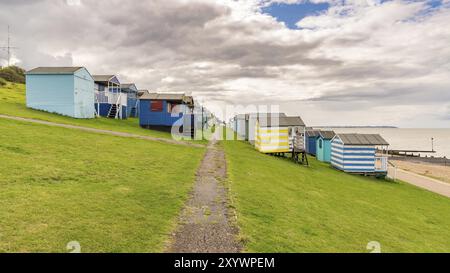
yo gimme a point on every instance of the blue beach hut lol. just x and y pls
(323, 146)
(67, 91)
(110, 101)
(162, 111)
(311, 139)
(360, 153)
(132, 99)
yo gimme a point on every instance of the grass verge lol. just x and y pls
(109, 193)
(284, 207)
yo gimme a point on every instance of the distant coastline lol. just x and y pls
(371, 127)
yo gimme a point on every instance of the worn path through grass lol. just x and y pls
(205, 224)
(101, 131)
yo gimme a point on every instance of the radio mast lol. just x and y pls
(8, 48)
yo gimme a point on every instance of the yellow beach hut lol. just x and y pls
(276, 134)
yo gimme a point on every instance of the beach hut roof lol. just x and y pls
(105, 79)
(102, 78)
(189, 100)
(167, 96)
(268, 115)
(327, 134)
(252, 116)
(363, 139)
(162, 96)
(127, 85)
(280, 121)
(54, 70)
(312, 133)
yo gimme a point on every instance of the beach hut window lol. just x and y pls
(156, 106)
(173, 108)
(320, 143)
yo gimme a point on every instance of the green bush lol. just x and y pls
(13, 74)
(3, 82)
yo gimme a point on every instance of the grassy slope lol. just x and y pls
(109, 193)
(12, 102)
(284, 207)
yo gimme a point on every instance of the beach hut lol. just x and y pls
(360, 153)
(67, 91)
(323, 146)
(311, 139)
(241, 126)
(162, 111)
(252, 119)
(132, 99)
(276, 134)
(110, 101)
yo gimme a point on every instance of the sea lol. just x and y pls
(409, 139)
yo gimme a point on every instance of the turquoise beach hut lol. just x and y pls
(67, 91)
(323, 146)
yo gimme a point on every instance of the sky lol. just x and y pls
(333, 62)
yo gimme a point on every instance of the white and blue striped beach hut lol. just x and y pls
(360, 153)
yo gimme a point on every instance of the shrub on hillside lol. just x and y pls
(3, 82)
(13, 74)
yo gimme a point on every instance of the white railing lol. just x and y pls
(381, 163)
(111, 98)
(101, 97)
(119, 106)
(392, 171)
(117, 98)
(124, 99)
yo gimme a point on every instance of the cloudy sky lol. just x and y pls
(334, 62)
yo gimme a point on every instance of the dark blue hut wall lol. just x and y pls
(132, 103)
(311, 145)
(149, 118)
(105, 107)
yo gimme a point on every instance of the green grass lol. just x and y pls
(284, 207)
(109, 193)
(12, 102)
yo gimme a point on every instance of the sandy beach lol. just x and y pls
(436, 171)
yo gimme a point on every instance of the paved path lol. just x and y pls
(205, 225)
(421, 181)
(107, 132)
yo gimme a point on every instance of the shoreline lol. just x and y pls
(436, 169)
(436, 161)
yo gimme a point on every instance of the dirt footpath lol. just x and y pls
(205, 225)
(101, 131)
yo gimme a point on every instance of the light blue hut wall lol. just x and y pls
(352, 159)
(84, 95)
(51, 93)
(241, 128)
(323, 150)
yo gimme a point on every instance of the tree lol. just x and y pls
(13, 74)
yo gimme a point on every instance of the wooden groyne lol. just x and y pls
(443, 161)
(410, 153)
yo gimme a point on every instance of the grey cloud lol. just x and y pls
(204, 47)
